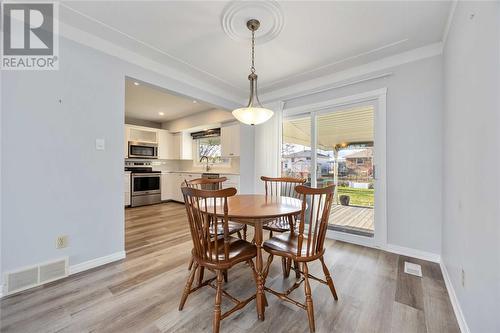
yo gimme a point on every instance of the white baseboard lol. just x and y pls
(409, 252)
(454, 300)
(96, 262)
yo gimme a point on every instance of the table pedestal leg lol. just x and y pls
(260, 297)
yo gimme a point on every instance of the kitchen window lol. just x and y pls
(210, 147)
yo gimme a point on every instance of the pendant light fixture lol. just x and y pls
(254, 113)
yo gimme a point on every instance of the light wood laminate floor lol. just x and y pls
(142, 292)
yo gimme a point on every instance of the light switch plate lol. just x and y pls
(99, 144)
(413, 269)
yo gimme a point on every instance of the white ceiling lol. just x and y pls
(317, 38)
(144, 102)
(345, 126)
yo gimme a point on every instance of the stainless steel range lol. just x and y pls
(145, 183)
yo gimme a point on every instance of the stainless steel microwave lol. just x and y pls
(142, 150)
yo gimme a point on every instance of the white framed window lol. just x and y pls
(211, 148)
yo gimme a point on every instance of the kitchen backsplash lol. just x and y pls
(189, 165)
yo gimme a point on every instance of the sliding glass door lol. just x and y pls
(345, 146)
(296, 148)
(336, 147)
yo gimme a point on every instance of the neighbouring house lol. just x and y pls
(360, 163)
(299, 163)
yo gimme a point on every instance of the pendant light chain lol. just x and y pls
(254, 113)
(252, 69)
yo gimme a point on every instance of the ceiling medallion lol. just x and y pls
(237, 13)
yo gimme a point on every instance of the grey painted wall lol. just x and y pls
(471, 181)
(53, 181)
(414, 150)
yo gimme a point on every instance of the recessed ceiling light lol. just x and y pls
(195, 101)
(136, 83)
(161, 113)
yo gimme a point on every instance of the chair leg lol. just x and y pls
(187, 287)
(239, 235)
(328, 278)
(190, 263)
(284, 267)
(270, 233)
(245, 232)
(288, 267)
(218, 300)
(201, 272)
(309, 301)
(225, 275)
(264, 276)
(296, 266)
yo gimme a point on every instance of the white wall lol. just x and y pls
(471, 181)
(53, 181)
(247, 158)
(267, 147)
(414, 149)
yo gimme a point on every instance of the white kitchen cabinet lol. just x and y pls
(165, 145)
(165, 195)
(182, 146)
(177, 181)
(230, 140)
(126, 180)
(143, 134)
(232, 181)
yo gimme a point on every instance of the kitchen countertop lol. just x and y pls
(200, 172)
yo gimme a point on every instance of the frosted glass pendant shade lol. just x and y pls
(252, 115)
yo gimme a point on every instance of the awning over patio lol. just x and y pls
(352, 125)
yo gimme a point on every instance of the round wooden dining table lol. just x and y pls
(256, 210)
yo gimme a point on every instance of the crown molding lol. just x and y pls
(330, 81)
(175, 62)
(229, 96)
(225, 98)
(329, 67)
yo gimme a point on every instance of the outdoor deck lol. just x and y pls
(352, 217)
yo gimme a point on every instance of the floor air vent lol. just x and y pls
(36, 275)
(413, 269)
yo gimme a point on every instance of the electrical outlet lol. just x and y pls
(62, 242)
(463, 278)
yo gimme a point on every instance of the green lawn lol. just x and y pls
(358, 196)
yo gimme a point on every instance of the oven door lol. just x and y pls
(142, 150)
(146, 183)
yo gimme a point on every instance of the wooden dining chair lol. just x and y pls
(284, 186)
(234, 228)
(216, 184)
(305, 245)
(281, 186)
(219, 253)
